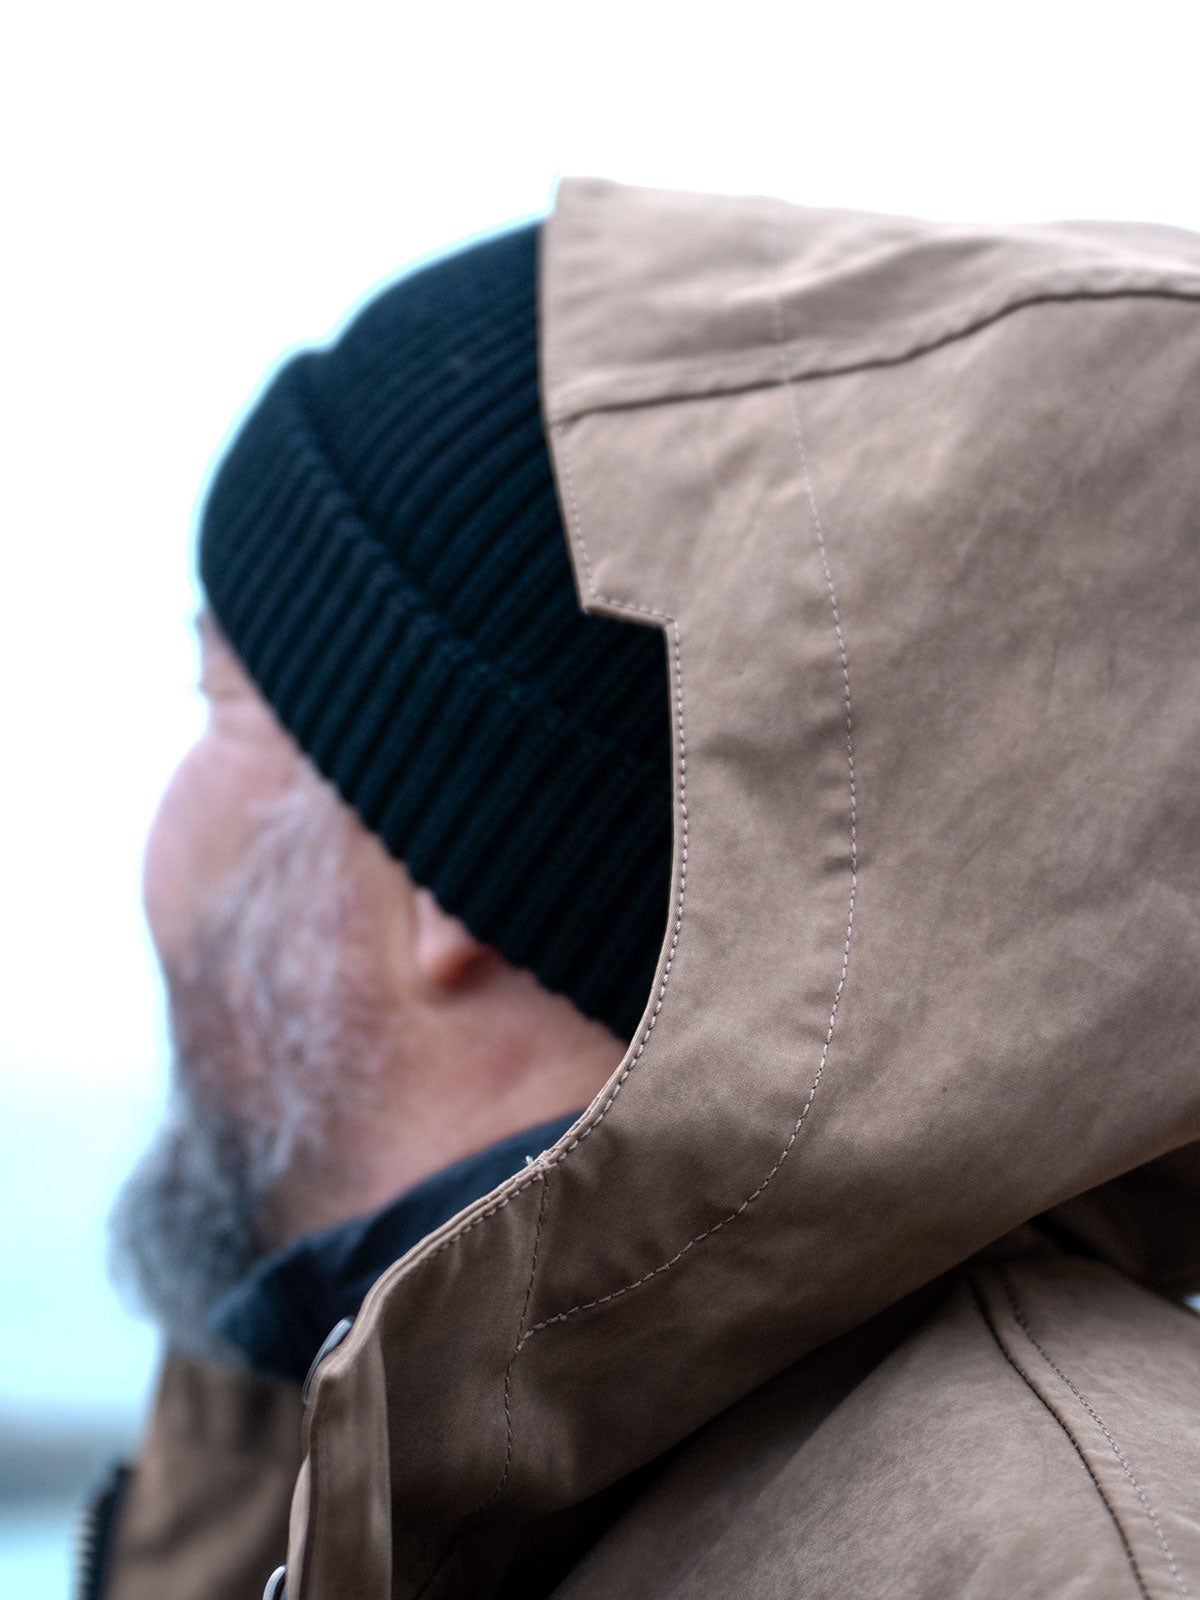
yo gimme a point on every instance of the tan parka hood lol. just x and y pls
(917, 511)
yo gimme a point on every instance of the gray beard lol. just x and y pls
(182, 1231)
(274, 1043)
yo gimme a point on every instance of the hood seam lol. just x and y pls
(575, 522)
(549, 1160)
(508, 1418)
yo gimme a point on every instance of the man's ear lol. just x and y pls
(446, 950)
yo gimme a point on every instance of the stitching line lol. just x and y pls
(508, 1421)
(818, 529)
(575, 525)
(540, 1167)
(1041, 1399)
(1019, 1318)
(540, 1171)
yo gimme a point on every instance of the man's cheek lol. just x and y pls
(197, 841)
(167, 879)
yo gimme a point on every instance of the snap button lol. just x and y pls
(329, 1343)
(275, 1589)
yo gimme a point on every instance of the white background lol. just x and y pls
(191, 190)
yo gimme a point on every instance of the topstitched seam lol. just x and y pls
(707, 1233)
(981, 1305)
(575, 528)
(540, 1170)
(1022, 1323)
(440, 1564)
(508, 1421)
(540, 1167)
(788, 381)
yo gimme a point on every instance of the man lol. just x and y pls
(861, 1273)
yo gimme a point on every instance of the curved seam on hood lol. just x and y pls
(453, 1542)
(786, 384)
(508, 1420)
(550, 1160)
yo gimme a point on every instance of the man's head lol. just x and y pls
(426, 776)
(384, 551)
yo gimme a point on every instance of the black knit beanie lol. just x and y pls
(383, 549)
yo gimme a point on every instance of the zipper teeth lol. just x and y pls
(94, 1533)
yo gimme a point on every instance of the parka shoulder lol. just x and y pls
(1037, 1434)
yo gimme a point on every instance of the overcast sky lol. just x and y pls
(190, 190)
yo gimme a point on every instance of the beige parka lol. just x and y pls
(917, 512)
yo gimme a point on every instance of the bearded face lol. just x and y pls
(337, 1036)
(275, 1049)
